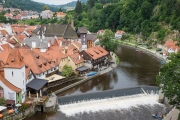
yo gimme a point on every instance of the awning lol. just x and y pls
(2, 108)
(82, 68)
(37, 84)
(54, 77)
(11, 102)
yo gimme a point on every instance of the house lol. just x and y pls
(18, 38)
(24, 15)
(46, 14)
(13, 75)
(119, 34)
(91, 40)
(75, 61)
(100, 32)
(82, 34)
(4, 33)
(57, 30)
(60, 15)
(95, 57)
(77, 45)
(17, 17)
(11, 92)
(41, 43)
(54, 53)
(8, 15)
(40, 66)
(171, 47)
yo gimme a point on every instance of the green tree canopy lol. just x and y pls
(60, 10)
(2, 102)
(108, 41)
(78, 7)
(67, 71)
(169, 80)
(45, 7)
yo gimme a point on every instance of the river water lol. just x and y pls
(136, 68)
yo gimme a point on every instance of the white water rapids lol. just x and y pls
(116, 103)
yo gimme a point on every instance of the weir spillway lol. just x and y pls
(108, 94)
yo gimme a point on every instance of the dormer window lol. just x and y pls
(12, 60)
(40, 65)
(37, 56)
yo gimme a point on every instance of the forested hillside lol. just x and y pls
(142, 17)
(27, 5)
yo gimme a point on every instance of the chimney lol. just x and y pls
(60, 43)
(72, 23)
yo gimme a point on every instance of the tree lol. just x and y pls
(60, 10)
(2, 102)
(67, 71)
(78, 7)
(169, 80)
(45, 7)
(108, 42)
(146, 9)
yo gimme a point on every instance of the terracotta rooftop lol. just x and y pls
(20, 38)
(171, 44)
(4, 32)
(76, 58)
(77, 43)
(37, 63)
(100, 32)
(14, 59)
(96, 52)
(9, 85)
(71, 46)
(18, 30)
(120, 32)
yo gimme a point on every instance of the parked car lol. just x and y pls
(158, 49)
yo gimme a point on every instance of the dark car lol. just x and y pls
(158, 49)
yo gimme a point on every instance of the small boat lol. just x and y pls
(91, 73)
(157, 116)
(162, 62)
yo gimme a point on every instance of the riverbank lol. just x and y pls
(149, 51)
(174, 113)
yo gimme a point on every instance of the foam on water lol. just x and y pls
(116, 103)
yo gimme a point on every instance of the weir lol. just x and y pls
(120, 99)
(108, 94)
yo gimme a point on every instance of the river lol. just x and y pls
(136, 68)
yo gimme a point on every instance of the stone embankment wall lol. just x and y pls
(77, 83)
(29, 111)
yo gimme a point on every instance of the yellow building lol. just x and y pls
(75, 61)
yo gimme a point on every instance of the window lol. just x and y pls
(23, 74)
(12, 73)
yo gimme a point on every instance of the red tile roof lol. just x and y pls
(171, 44)
(96, 52)
(14, 59)
(120, 32)
(76, 58)
(9, 85)
(77, 44)
(37, 63)
(20, 38)
(4, 32)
